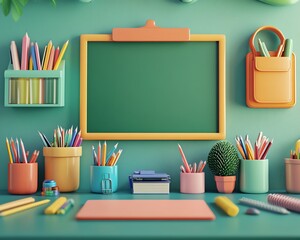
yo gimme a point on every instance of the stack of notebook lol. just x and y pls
(149, 182)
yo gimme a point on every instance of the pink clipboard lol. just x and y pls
(145, 210)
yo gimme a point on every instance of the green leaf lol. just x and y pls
(53, 2)
(16, 10)
(23, 2)
(6, 6)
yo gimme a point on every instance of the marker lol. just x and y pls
(66, 207)
(288, 48)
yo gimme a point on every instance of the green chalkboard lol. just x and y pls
(152, 90)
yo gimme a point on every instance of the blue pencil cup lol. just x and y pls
(104, 179)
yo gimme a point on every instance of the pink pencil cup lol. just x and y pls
(192, 182)
(22, 178)
(292, 175)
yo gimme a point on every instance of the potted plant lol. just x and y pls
(223, 161)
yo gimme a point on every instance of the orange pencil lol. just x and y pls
(32, 156)
(185, 163)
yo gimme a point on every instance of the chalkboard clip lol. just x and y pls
(150, 33)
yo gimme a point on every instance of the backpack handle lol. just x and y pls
(270, 28)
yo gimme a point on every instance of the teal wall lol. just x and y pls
(70, 18)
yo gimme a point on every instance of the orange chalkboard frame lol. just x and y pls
(152, 33)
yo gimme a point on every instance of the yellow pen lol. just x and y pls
(60, 56)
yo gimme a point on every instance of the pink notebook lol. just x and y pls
(145, 210)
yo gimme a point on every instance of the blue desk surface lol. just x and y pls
(34, 224)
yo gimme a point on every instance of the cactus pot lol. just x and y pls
(225, 184)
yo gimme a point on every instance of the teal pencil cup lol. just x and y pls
(254, 176)
(104, 179)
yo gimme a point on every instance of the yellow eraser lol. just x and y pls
(53, 208)
(227, 206)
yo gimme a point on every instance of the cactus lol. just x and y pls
(223, 159)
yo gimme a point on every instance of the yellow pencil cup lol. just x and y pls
(62, 164)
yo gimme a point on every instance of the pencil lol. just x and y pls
(23, 151)
(24, 207)
(99, 154)
(61, 54)
(16, 203)
(9, 152)
(117, 157)
(185, 163)
(266, 150)
(103, 162)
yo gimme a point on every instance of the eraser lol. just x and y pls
(227, 206)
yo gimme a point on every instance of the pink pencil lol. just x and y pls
(37, 56)
(25, 52)
(185, 163)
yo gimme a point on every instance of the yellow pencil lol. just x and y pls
(117, 157)
(9, 152)
(103, 162)
(49, 46)
(16, 203)
(24, 207)
(60, 56)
